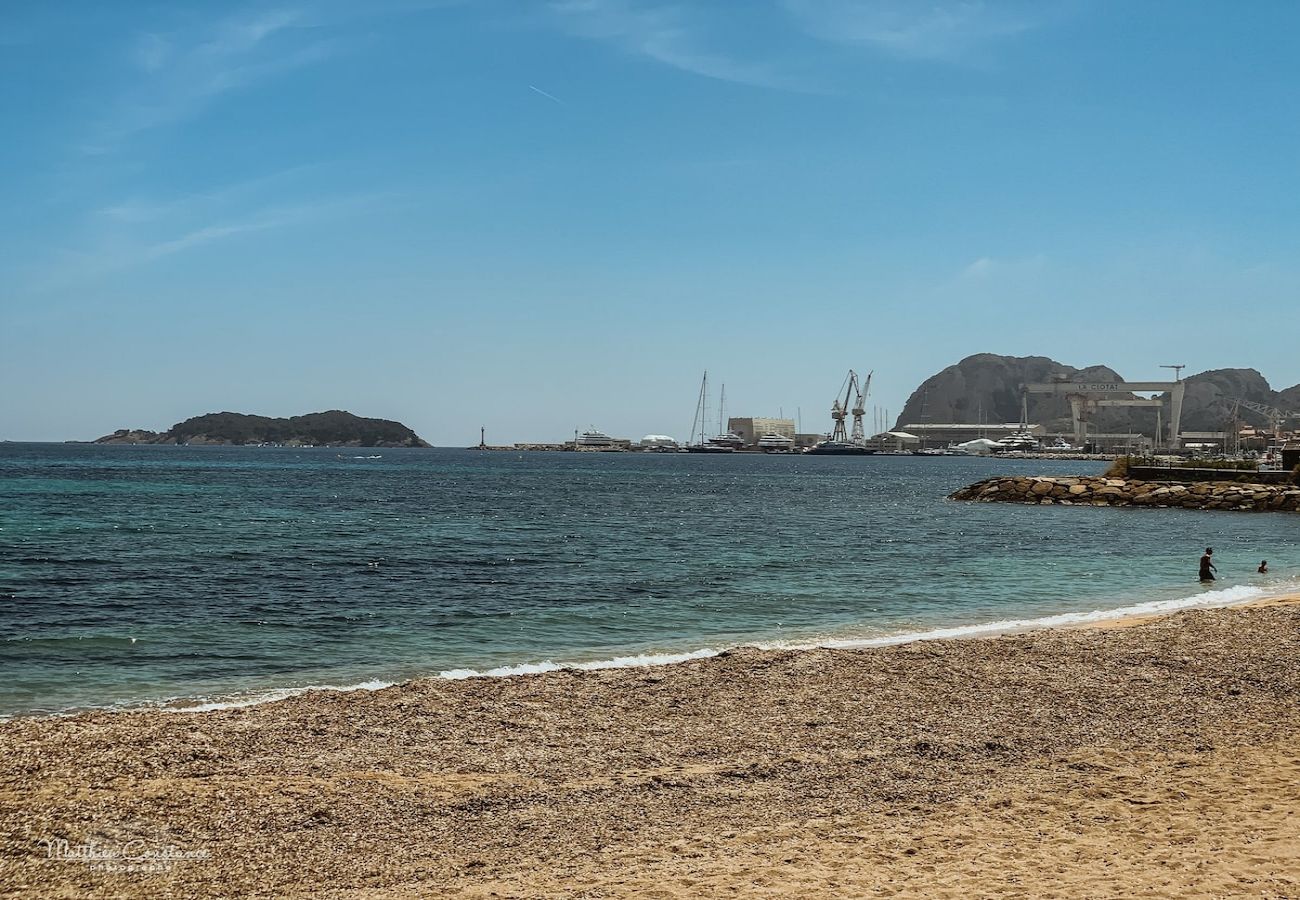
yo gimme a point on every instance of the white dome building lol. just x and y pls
(979, 446)
(658, 442)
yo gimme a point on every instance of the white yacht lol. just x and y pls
(776, 443)
(1023, 441)
(730, 440)
(594, 440)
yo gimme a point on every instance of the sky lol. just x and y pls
(546, 216)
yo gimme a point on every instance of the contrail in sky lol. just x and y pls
(546, 95)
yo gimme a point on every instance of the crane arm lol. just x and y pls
(849, 384)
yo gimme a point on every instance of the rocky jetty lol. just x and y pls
(1086, 490)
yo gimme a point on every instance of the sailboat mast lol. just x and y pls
(700, 422)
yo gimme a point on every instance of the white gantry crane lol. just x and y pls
(1274, 415)
(840, 410)
(859, 406)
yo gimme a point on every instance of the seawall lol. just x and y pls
(1086, 490)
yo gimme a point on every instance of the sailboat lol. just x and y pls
(698, 442)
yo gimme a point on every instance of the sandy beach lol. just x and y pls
(1159, 759)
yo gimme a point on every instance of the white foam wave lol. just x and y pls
(200, 704)
(618, 662)
(1205, 600)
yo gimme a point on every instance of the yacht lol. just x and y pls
(1022, 441)
(839, 448)
(595, 440)
(776, 443)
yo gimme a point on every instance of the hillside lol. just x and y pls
(334, 428)
(986, 388)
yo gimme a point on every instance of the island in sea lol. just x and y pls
(333, 428)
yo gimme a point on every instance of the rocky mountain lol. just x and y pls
(986, 388)
(334, 428)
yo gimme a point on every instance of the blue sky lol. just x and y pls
(542, 216)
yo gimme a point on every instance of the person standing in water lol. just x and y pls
(1263, 567)
(1207, 565)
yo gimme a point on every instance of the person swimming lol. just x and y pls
(1207, 565)
(1263, 567)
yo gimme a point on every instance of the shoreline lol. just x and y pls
(1158, 758)
(1117, 617)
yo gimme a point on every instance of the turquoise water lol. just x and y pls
(146, 574)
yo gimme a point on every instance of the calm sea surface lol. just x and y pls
(148, 574)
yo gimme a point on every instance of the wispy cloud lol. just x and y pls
(671, 35)
(176, 75)
(260, 220)
(987, 267)
(135, 233)
(535, 89)
(946, 30)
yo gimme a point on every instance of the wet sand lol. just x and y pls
(1158, 759)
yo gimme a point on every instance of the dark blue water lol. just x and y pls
(139, 574)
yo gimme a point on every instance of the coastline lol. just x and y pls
(927, 768)
(1108, 617)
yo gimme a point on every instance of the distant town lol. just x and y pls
(1078, 405)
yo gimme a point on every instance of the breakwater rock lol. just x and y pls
(1101, 491)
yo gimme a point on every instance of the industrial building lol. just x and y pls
(894, 442)
(751, 429)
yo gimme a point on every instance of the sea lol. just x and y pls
(199, 577)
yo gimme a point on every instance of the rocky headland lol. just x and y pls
(986, 387)
(1084, 490)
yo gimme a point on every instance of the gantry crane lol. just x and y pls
(839, 409)
(1274, 415)
(860, 407)
(854, 391)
